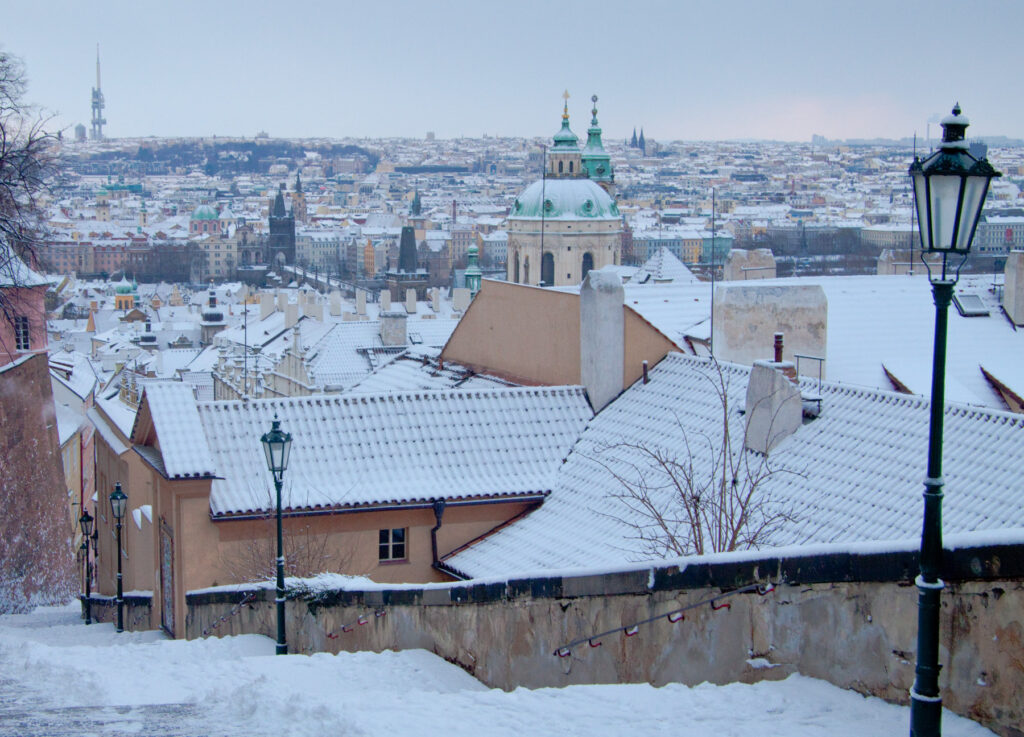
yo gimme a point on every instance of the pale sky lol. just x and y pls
(681, 69)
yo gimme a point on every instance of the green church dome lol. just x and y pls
(123, 286)
(205, 212)
(565, 199)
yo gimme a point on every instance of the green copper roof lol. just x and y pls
(205, 212)
(596, 160)
(565, 139)
(565, 199)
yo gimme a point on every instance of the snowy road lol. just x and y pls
(59, 677)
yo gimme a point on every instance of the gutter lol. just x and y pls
(439, 505)
(384, 507)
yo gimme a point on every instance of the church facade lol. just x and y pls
(566, 224)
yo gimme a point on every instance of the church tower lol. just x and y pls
(564, 156)
(596, 161)
(299, 200)
(566, 224)
(281, 238)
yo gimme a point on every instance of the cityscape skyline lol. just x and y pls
(695, 71)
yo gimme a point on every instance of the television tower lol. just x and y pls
(98, 121)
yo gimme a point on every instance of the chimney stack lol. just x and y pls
(602, 336)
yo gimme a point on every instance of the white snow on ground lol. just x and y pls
(238, 683)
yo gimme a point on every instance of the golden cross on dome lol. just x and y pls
(565, 111)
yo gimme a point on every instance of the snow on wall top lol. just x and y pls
(854, 474)
(393, 448)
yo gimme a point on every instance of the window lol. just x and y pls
(392, 544)
(21, 333)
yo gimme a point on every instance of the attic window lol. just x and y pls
(970, 305)
(415, 338)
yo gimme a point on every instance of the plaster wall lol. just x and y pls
(529, 335)
(1013, 290)
(743, 265)
(746, 319)
(211, 553)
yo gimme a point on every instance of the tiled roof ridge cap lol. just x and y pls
(869, 393)
(563, 389)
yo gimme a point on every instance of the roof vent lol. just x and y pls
(970, 305)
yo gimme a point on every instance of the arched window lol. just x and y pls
(516, 260)
(570, 167)
(547, 269)
(588, 264)
(560, 167)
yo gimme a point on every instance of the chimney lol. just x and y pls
(361, 301)
(410, 301)
(460, 299)
(602, 336)
(385, 301)
(313, 310)
(291, 315)
(266, 305)
(1013, 290)
(774, 405)
(335, 303)
(393, 328)
(435, 299)
(282, 300)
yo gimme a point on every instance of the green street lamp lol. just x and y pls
(118, 505)
(950, 187)
(277, 445)
(85, 522)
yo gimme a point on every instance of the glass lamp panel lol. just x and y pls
(86, 521)
(921, 202)
(118, 502)
(266, 451)
(974, 197)
(944, 198)
(286, 450)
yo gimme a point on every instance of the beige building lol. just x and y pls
(384, 486)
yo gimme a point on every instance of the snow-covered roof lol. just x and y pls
(663, 266)
(366, 450)
(14, 272)
(852, 474)
(175, 419)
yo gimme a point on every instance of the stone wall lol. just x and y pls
(850, 619)
(136, 613)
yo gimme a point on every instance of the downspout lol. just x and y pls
(439, 517)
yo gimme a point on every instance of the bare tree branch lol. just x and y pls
(697, 493)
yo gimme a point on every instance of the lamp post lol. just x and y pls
(277, 446)
(118, 504)
(85, 522)
(950, 187)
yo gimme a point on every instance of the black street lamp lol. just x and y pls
(85, 522)
(277, 446)
(950, 187)
(118, 504)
